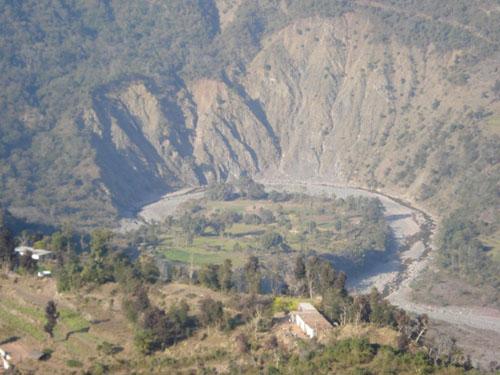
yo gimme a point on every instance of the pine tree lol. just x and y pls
(299, 273)
(7, 246)
(327, 276)
(226, 275)
(340, 281)
(252, 275)
(51, 314)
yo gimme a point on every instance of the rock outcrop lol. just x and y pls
(321, 100)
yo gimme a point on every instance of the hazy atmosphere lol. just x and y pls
(249, 187)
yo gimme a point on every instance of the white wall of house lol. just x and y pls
(309, 331)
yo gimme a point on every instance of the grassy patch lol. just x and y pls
(72, 320)
(32, 312)
(241, 229)
(19, 323)
(74, 363)
(201, 257)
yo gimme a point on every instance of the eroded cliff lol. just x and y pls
(322, 100)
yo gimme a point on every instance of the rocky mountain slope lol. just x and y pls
(321, 100)
(107, 106)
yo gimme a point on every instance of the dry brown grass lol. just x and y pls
(375, 335)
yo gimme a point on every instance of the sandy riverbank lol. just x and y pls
(395, 276)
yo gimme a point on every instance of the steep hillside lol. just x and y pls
(370, 93)
(107, 106)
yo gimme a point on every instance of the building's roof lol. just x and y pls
(25, 249)
(312, 317)
(306, 306)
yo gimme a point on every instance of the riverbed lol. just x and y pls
(413, 232)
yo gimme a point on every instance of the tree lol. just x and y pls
(340, 281)
(422, 324)
(161, 329)
(211, 312)
(27, 262)
(219, 191)
(209, 276)
(100, 243)
(361, 309)
(51, 316)
(299, 270)
(381, 311)
(226, 275)
(217, 225)
(271, 239)
(57, 242)
(267, 216)
(251, 189)
(149, 270)
(327, 276)
(137, 304)
(194, 225)
(68, 275)
(96, 270)
(7, 247)
(311, 227)
(253, 275)
(312, 274)
(332, 304)
(144, 341)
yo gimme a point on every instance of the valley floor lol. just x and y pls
(413, 231)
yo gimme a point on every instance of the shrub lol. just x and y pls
(74, 363)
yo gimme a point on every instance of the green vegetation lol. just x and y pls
(74, 363)
(462, 253)
(59, 57)
(62, 60)
(358, 356)
(234, 227)
(227, 310)
(11, 319)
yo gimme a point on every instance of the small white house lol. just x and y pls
(310, 321)
(5, 359)
(36, 254)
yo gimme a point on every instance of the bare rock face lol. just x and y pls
(231, 136)
(227, 11)
(345, 108)
(140, 148)
(322, 100)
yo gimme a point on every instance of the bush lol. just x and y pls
(271, 239)
(211, 312)
(353, 351)
(74, 363)
(285, 304)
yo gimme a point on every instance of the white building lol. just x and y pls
(36, 254)
(310, 321)
(5, 359)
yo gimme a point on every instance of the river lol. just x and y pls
(413, 231)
